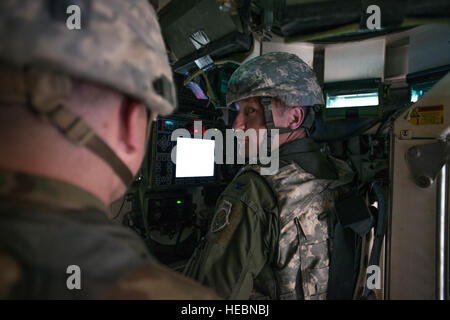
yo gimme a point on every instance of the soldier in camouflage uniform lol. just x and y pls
(269, 237)
(76, 108)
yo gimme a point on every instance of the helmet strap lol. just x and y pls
(46, 93)
(307, 123)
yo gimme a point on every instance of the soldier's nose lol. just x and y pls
(239, 122)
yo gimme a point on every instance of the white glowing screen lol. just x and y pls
(195, 158)
(353, 100)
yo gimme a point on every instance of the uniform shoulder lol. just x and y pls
(10, 274)
(250, 186)
(156, 282)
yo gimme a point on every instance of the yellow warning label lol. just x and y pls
(427, 115)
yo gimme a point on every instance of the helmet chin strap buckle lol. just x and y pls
(266, 102)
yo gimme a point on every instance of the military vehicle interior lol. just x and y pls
(387, 93)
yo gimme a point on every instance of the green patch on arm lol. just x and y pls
(242, 238)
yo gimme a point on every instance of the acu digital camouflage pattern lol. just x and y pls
(276, 74)
(47, 225)
(302, 266)
(119, 45)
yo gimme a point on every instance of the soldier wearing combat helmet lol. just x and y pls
(76, 107)
(267, 239)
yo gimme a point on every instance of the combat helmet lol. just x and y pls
(277, 75)
(118, 45)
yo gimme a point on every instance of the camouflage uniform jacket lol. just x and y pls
(269, 237)
(47, 225)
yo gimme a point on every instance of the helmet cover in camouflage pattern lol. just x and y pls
(276, 74)
(119, 45)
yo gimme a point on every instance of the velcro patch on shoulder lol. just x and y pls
(221, 218)
(239, 185)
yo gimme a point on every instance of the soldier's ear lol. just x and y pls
(296, 117)
(134, 126)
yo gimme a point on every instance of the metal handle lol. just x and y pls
(442, 234)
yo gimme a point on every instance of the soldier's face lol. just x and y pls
(250, 116)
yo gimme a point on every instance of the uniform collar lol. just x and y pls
(299, 146)
(306, 153)
(21, 189)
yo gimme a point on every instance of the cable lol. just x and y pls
(391, 117)
(121, 206)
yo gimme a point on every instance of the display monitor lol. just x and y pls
(353, 99)
(348, 100)
(417, 90)
(195, 158)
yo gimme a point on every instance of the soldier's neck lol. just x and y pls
(82, 170)
(292, 136)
